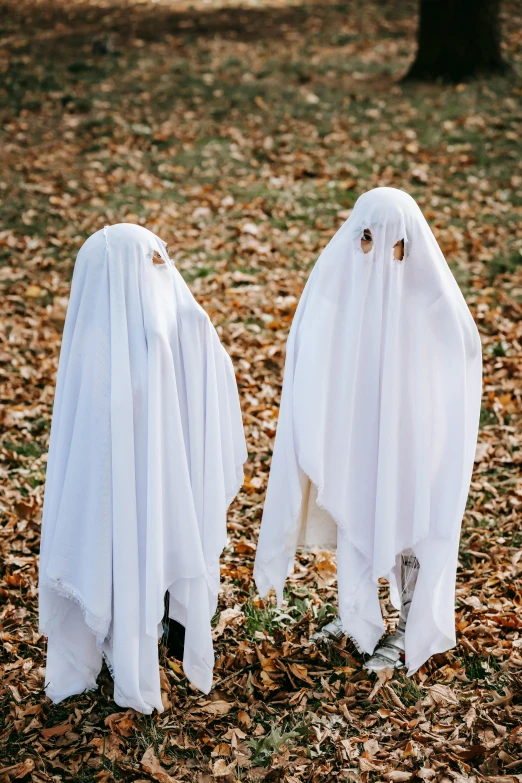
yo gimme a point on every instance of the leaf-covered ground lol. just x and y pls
(243, 136)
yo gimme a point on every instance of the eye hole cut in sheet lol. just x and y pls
(367, 245)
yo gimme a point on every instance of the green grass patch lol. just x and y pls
(28, 449)
(479, 668)
(277, 739)
(504, 265)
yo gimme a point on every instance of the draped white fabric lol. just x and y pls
(380, 410)
(146, 454)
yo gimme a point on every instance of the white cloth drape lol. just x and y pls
(146, 454)
(380, 409)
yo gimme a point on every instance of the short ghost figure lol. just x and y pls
(377, 430)
(146, 454)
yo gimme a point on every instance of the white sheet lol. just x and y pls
(146, 454)
(380, 410)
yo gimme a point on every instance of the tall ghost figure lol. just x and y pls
(146, 454)
(377, 428)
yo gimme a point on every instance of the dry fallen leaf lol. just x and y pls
(383, 677)
(221, 769)
(56, 731)
(218, 707)
(33, 291)
(301, 672)
(18, 771)
(175, 667)
(227, 618)
(151, 765)
(442, 694)
(123, 723)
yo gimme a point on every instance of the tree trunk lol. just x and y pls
(457, 39)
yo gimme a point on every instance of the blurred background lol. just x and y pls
(190, 117)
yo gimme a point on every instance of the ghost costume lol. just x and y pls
(145, 456)
(378, 425)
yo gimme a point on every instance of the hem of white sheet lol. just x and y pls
(288, 550)
(311, 548)
(289, 546)
(147, 708)
(208, 673)
(340, 524)
(56, 698)
(92, 624)
(360, 649)
(98, 626)
(289, 542)
(433, 649)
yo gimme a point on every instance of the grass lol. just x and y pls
(265, 618)
(149, 734)
(92, 775)
(259, 619)
(411, 692)
(326, 613)
(487, 417)
(277, 740)
(478, 668)
(502, 265)
(31, 448)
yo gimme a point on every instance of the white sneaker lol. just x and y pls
(333, 632)
(389, 654)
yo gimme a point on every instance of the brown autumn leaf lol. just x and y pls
(33, 291)
(221, 749)
(221, 769)
(442, 694)
(371, 747)
(18, 771)
(301, 672)
(108, 745)
(426, 773)
(56, 731)
(383, 677)
(368, 764)
(123, 723)
(218, 707)
(152, 767)
(473, 752)
(26, 510)
(175, 667)
(14, 580)
(227, 618)
(244, 719)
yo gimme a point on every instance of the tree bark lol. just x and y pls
(457, 39)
